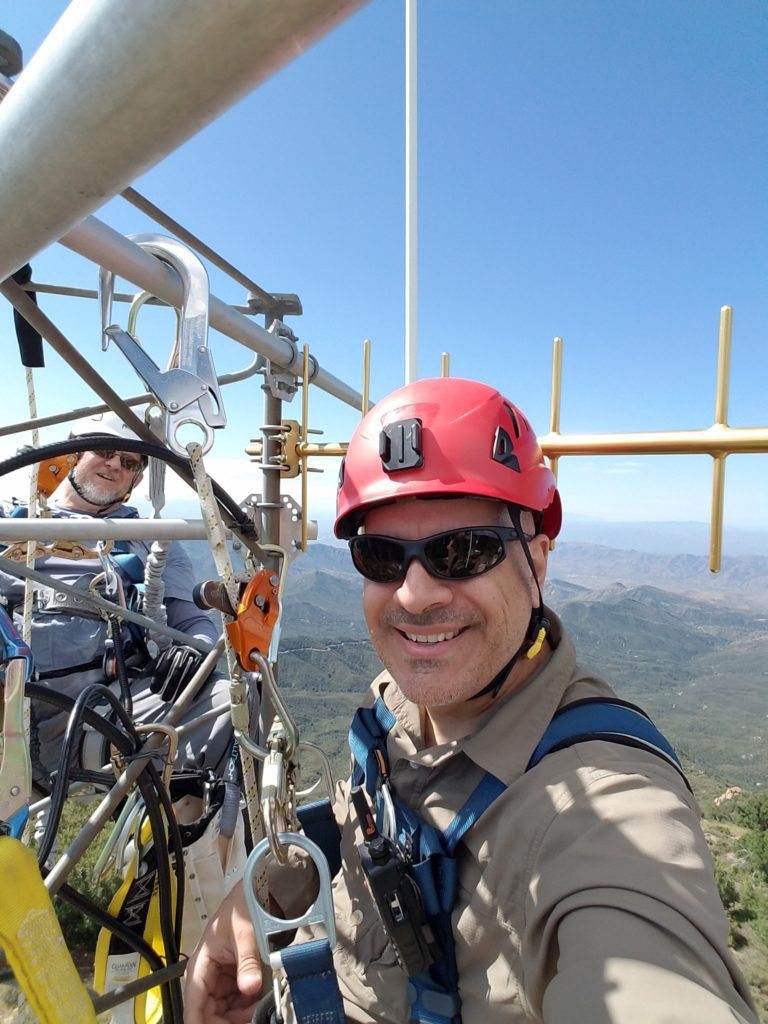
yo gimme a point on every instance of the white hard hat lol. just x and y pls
(102, 423)
(106, 423)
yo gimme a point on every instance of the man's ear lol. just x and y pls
(134, 484)
(539, 548)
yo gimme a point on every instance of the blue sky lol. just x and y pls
(594, 170)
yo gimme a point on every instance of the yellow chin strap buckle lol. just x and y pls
(537, 644)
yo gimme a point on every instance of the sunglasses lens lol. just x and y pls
(377, 558)
(126, 461)
(456, 555)
(463, 553)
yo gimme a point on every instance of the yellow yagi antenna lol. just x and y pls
(717, 441)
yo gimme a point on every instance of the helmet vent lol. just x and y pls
(515, 424)
(504, 450)
(400, 445)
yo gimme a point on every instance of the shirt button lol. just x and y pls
(357, 917)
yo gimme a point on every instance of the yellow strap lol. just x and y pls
(33, 943)
(114, 965)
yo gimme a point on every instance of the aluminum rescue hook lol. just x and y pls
(307, 966)
(189, 393)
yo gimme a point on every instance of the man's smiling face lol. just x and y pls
(443, 640)
(105, 481)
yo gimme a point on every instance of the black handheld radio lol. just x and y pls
(395, 893)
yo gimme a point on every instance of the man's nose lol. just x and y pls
(419, 591)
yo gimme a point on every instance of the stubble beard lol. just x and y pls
(425, 681)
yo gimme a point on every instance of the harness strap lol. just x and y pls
(312, 980)
(318, 824)
(598, 718)
(434, 992)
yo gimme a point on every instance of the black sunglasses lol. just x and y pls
(453, 555)
(126, 461)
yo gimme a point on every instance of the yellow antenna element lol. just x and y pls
(366, 375)
(304, 421)
(721, 420)
(445, 364)
(717, 441)
(554, 413)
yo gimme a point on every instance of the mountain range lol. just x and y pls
(688, 646)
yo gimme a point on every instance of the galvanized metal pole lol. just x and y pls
(115, 88)
(106, 247)
(411, 196)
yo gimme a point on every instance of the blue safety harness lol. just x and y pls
(430, 853)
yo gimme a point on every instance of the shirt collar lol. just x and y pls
(508, 735)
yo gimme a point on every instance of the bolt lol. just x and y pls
(15, 790)
(173, 406)
(259, 601)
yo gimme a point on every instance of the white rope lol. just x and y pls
(29, 592)
(217, 540)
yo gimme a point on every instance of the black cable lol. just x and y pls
(121, 669)
(176, 849)
(237, 519)
(35, 691)
(128, 744)
(156, 798)
(172, 989)
(104, 919)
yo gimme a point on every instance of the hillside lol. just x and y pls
(692, 648)
(699, 664)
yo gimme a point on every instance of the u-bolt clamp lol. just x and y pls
(189, 393)
(173, 745)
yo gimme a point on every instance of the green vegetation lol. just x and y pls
(737, 831)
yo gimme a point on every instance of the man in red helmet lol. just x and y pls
(497, 864)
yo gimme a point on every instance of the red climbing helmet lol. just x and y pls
(445, 436)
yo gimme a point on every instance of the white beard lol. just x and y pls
(101, 494)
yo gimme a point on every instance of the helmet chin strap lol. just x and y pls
(538, 625)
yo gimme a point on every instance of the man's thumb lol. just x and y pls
(249, 974)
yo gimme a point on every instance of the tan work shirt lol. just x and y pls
(586, 892)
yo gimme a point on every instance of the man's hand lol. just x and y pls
(223, 978)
